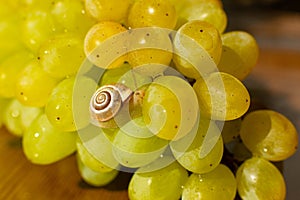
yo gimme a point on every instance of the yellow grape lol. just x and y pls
(9, 69)
(38, 25)
(205, 11)
(150, 13)
(257, 178)
(218, 184)
(43, 144)
(199, 42)
(71, 16)
(108, 10)
(95, 178)
(96, 37)
(200, 151)
(61, 56)
(89, 160)
(269, 134)
(221, 96)
(170, 107)
(18, 117)
(240, 54)
(34, 85)
(151, 47)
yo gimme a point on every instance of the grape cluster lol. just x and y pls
(149, 87)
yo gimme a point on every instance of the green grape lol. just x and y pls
(240, 54)
(89, 160)
(43, 144)
(96, 37)
(94, 178)
(257, 178)
(165, 183)
(113, 76)
(150, 13)
(269, 134)
(231, 130)
(205, 11)
(60, 107)
(108, 10)
(98, 143)
(61, 56)
(3, 106)
(221, 96)
(17, 117)
(37, 26)
(170, 107)
(9, 69)
(33, 85)
(151, 50)
(135, 146)
(196, 44)
(202, 151)
(71, 15)
(218, 184)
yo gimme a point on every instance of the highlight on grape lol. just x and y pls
(148, 87)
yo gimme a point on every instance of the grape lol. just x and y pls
(222, 96)
(97, 142)
(43, 144)
(34, 85)
(135, 146)
(38, 25)
(95, 178)
(9, 69)
(71, 15)
(149, 13)
(152, 50)
(59, 108)
(170, 107)
(217, 184)
(196, 44)
(62, 55)
(9, 32)
(89, 160)
(231, 130)
(165, 183)
(205, 11)
(240, 54)
(125, 75)
(257, 178)
(269, 134)
(202, 151)
(3, 106)
(238, 150)
(108, 10)
(17, 117)
(96, 36)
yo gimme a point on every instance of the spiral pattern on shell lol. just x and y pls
(107, 101)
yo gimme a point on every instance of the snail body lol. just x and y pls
(107, 101)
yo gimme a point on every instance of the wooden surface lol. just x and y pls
(274, 83)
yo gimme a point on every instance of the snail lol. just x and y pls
(107, 101)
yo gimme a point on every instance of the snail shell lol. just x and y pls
(107, 101)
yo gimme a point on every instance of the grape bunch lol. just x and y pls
(148, 87)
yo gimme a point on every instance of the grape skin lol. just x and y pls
(43, 144)
(269, 134)
(257, 178)
(218, 184)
